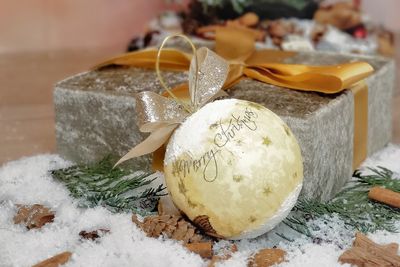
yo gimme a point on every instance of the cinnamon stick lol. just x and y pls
(55, 261)
(385, 196)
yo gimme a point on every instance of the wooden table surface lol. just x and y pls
(26, 106)
(26, 92)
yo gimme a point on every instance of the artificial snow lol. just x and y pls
(28, 181)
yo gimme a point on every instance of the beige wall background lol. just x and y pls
(385, 12)
(57, 24)
(31, 25)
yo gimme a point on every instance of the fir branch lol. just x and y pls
(117, 189)
(237, 5)
(298, 224)
(352, 205)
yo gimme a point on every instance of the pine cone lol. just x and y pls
(203, 223)
(171, 226)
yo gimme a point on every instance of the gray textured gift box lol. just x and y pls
(95, 116)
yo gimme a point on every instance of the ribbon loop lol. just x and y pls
(240, 49)
(211, 76)
(160, 115)
(152, 108)
(172, 59)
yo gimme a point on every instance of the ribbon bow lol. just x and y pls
(238, 48)
(160, 115)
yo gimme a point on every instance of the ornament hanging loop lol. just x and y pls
(189, 108)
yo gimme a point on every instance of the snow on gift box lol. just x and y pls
(232, 166)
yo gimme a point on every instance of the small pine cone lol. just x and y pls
(171, 226)
(203, 223)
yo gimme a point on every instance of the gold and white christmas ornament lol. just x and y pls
(232, 166)
(236, 165)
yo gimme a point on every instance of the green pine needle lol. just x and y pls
(352, 205)
(117, 189)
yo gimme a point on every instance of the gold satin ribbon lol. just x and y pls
(360, 143)
(238, 48)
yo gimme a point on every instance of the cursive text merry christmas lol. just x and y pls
(207, 162)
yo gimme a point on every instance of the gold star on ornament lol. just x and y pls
(266, 141)
(237, 178)
(267, 190)
(191, 203)
(252, 219)
(182, 188)
(255, 105)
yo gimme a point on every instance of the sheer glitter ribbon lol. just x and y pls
(160, 115)
(238, 48)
